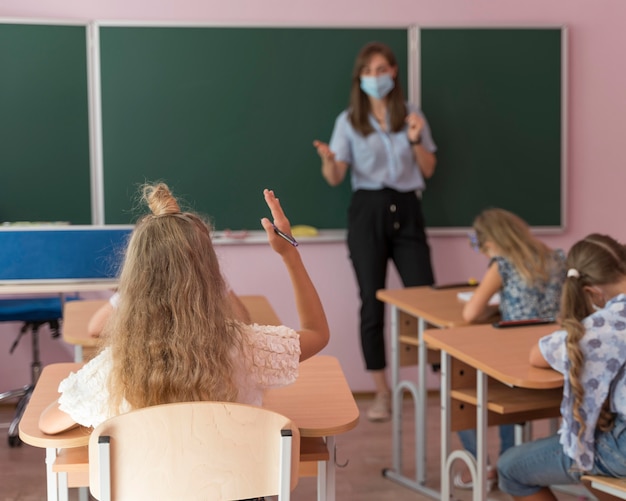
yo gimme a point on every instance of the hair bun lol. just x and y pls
(160, 200)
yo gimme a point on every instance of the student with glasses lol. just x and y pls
(527, 274)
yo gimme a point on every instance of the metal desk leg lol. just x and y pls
(446, 424)
(448, 457)
(420, 401)
(321, 479)
(51, 477)
(420, 424)
(480, 487)
(64, 490)
(330, 469)
(83, 494)
(78, 353)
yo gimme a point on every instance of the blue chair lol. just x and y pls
(33, 313)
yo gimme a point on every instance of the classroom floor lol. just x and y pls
(367, 449)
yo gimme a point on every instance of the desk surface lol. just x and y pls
(496, 352)
(319, 402)
(44, 393)
(439, 307)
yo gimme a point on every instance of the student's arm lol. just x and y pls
(99, 319)
(53, 420)
(477, 308)
(314, 332)
(239, 309)
(333, 170)
(537, 359)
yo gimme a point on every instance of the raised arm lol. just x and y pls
(314, 332)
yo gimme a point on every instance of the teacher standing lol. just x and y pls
(388, 147)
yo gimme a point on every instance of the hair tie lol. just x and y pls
(573, 272)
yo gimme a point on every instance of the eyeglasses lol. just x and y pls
(473, 241)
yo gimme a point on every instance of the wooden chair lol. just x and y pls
(194, 451)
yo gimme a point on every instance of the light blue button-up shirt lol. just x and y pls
(381, 159)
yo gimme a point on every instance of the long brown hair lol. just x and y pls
(359, 108)
(597, 260)
(530, 256)
(172, 338)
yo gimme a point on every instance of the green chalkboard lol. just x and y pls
(44, 133)
(493, 100)
(221, 113)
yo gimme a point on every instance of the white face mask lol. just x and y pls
(377, 87)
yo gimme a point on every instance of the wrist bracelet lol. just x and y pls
(417, 141)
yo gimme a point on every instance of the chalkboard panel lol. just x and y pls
(44, 133)
(493, 100)
(221, 113)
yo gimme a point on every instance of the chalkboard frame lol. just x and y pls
(45, 121)
(412, 67)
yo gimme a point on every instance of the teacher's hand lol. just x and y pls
(416, 124)
(323, 150)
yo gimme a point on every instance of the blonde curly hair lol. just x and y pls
(531, 257)
(172, 337)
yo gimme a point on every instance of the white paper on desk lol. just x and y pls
(466, 296)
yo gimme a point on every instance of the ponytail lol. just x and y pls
(595, 260)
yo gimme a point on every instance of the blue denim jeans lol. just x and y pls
(525, 469)
(507, 438)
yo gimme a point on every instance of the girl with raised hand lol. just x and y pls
(174, 338)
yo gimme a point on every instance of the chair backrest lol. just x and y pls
(194, 451)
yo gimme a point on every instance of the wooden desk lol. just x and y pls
(319, 402)
(76, 315)
(606, 488)
(412, 308)
(488, 368)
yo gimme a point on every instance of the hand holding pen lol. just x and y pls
(278, 231)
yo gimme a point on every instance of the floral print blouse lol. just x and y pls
(521, 301)
(604, 350)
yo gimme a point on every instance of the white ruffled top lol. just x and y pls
(272, 362)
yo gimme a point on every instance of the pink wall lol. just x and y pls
(597, 107)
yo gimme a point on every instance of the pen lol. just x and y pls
(289, 239)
